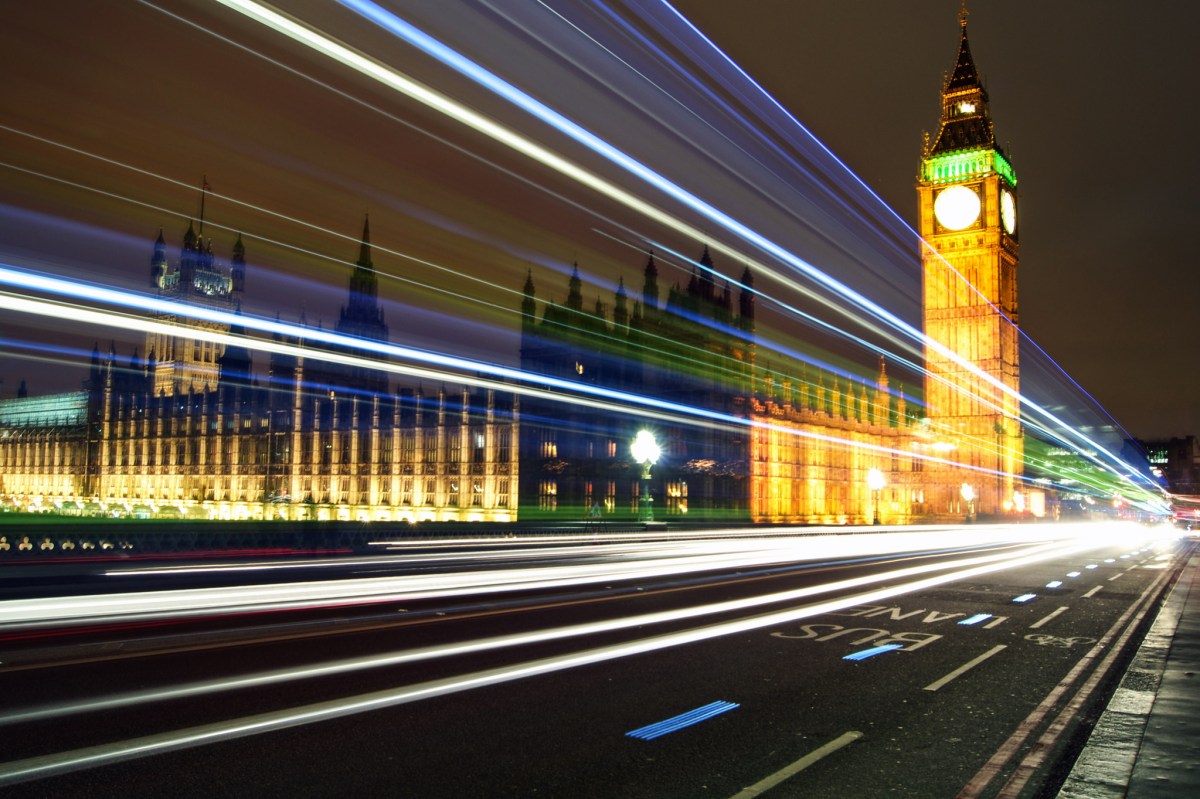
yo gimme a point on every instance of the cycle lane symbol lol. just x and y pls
(1058, 642)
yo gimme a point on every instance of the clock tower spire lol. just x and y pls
(967, 196)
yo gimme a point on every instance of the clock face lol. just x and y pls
(1008, 212)
(956, 207)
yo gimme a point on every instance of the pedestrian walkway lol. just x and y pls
(1147, 743)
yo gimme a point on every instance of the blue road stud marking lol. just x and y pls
(978, 617)
(658, 729)
(866, 653)
(1024, 597)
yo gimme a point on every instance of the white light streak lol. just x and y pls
(44, 766)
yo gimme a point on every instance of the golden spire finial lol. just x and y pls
(962, 14)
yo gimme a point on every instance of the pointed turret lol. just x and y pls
(966, 124)
(362, 317)
(189, 256)
(528, 305)
(158, 261)
(364, 249)
(364, 285)
(650, 285)
(620, 308)
(237, 267)
(707, 287)
(746, 302)
(575, 290)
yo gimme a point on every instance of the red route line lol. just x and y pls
(1008, 750)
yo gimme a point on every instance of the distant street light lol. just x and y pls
(968, 494)
(876, 482)
(645, 451)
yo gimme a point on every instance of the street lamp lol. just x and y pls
(645, 451)
(968, 495)
(876, 482)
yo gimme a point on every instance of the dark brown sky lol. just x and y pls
(1090, 99)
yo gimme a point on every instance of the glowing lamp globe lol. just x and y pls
(644, 448)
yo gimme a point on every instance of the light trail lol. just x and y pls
(59, 763)
(525, 102)
(581, 393)
(624, 402)
(697, 555)
(397, 81)
(1054, 431)
(1120, 463)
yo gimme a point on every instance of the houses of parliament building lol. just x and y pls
(198, 430)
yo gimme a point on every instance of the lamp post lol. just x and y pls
(999, 430)
(876, 482)
(968, 495)
(645, 451)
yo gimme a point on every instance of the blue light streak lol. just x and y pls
(525, 102)
(467, 369)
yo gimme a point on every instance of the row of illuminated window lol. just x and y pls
(431, 492)
(601, 497)
(254, 450)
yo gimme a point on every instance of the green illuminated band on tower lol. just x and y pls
(969, 164)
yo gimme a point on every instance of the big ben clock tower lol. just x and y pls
(968, 219)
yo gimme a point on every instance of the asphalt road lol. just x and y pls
(570, 671)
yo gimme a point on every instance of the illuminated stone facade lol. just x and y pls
(793, 447)
(191, 432)
(813, 447)
(312, 442)
(968, 208)
(184, 363)
(694, 350)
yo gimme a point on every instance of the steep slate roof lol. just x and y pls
(964, 130)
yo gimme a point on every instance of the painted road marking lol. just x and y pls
(978, 617)
(1053, 640)
(964, 668)
(1094, 591)
(872, 652)
(764, 785)
(658, 729)
(1073, 574)
(1024, 597)
(1047, 618)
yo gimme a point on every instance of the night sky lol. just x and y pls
(1086, 99)
(135, 107)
